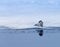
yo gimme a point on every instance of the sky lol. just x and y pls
(24, 13)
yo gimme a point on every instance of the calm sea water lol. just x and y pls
(30, 38)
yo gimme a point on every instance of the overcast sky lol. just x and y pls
(15, 13)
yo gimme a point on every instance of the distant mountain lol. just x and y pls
(4, 27)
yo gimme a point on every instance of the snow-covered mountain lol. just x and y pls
(4, 27)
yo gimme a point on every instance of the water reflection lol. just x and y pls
(40, 31)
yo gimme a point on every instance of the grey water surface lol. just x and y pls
(30, 38)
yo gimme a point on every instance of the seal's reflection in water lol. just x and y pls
(40, 31)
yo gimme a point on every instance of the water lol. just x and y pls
(48, 37)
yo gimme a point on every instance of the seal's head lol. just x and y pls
(40, 21)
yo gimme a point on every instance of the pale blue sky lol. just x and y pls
(26, 7)
(12, 11)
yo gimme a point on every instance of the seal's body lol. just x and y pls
(39, 24)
